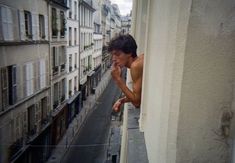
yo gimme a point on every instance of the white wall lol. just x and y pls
(207, 87)
(188, 77)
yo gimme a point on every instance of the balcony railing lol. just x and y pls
(62, 67)
(55, 70)
(56, 103)
(62, 98)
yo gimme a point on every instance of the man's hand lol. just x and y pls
(117, 105)
(116, 71)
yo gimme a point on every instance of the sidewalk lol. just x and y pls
(77, 123)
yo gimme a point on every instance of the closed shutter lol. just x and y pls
(35, 26)
(42, 74)
(10, 24)
(29, 79)
(46, 26)
(4, 22)
(22, 25)
(36, 75)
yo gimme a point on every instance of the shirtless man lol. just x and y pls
(123, 50)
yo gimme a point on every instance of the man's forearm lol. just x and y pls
(130, 96)
(124, 100)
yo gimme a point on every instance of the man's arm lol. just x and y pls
(131, 96)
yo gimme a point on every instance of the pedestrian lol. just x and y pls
(123, 50)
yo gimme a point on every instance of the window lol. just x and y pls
(43, 109)
(70, 87)
(76, 60)
(75, 36)
(38, 115)
(55, 60)
(56, 95)
(4, 87)
(70, 36)
(62, 24)
(70, 9)
(62, 58)
(75, 83)
(28, 24)
(70, 63)
(8, 86)
(31, 120)
(42, 27)
(12, 84)
(75, 10)
(89, 62)
(63, 89)
(54, 22)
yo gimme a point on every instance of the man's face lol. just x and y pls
(120, 58)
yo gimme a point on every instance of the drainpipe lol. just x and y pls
(49, 57)
(79, 38)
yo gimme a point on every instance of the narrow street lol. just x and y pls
(89, 145)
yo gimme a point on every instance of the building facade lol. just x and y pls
(126, 24)
(98, 44)
(24, 80)
(58, 42)
(73, 58)
(86, 47)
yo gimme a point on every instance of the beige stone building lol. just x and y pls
(24, 76)
(188, 82)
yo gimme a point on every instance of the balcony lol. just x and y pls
(56, 103)
(62, 67)
(135, 149)
(62, 98)
(62, 3)
(55, 70)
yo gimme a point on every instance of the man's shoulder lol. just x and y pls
(138, 63)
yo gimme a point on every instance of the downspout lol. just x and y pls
(79, 51)
(49, 57)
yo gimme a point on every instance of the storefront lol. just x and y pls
(83, 89)
(90, 82)
(74, 106)
(97, 75)
(37, 150)
(59, 123)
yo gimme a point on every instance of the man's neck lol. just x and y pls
(131, 60)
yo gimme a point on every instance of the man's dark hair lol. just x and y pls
(125, 43)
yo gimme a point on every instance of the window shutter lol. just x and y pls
(36, 75)
(22, 25)
(10, 24)
(32, 78)
(25, 80)
(29, 79)
(46, 26)
(14, 85)
(42, 74)
(35, 26)
(4, 22)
